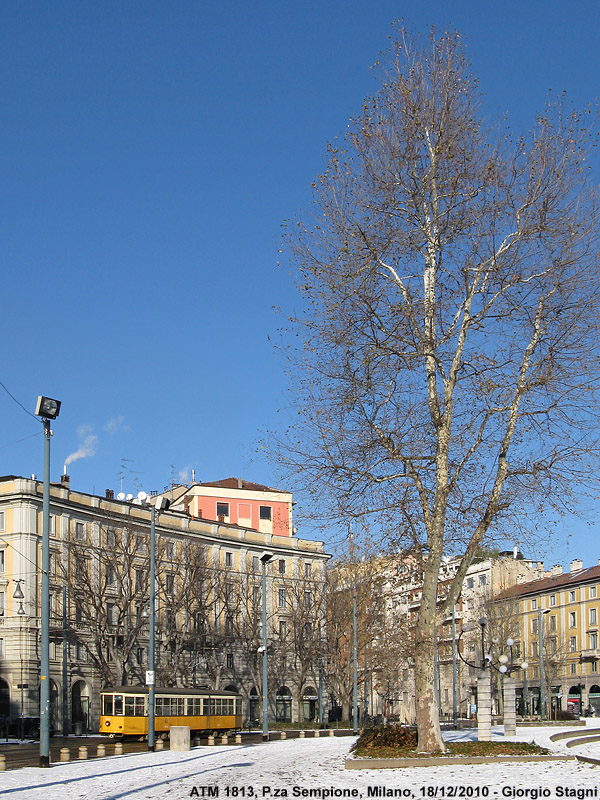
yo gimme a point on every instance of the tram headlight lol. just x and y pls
(107, 723)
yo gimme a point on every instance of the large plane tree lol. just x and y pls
(446, 381)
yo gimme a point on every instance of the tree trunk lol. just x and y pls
(427, 713)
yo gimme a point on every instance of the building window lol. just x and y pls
(535, 649)
(256, 595)
(572, 619)
(281, 566)
(534, 604)
(307, 570)
(111, 614)
(592, 592)
(222, 511)
(593, 641)
(140, 655)
(111, 538)
(308, 600)
(255, 563)
(482, 580)
(1, 648)
(571, 597)
(572, 644)
(552, 623)
(170, 583)
(229, 559)
(170, 550)
(573, 669)
(594, 666)
(110, 575)
(265, 513)
(2, 518)
(283, 629)
(229, 593)
(140, 580)
(140, 544)
(2, 561)
(534, 625)
(470, 583)
(552, 599)
(1, 604)
(593, 616)
(229, 660)
(79, 531)
(282, 598)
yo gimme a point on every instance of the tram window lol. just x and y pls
(129, 706)
(194, 706)
(179, 703)
(159, 707)
(118, 705)
(140, 707)
(107, 705)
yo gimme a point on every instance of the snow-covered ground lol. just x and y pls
(298, 767)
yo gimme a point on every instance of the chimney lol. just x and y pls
(65, 480)
(193, 476)
(576, 565)
(240, 483)
(109, 494)
(515, 551)
(556, 570)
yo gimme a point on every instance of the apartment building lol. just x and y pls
(557, 633)
(209, 589)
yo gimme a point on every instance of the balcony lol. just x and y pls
(592, 653)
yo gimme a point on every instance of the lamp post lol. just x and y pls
(504, 665)
(47, 409)
(161, 503)
(264, 558)
(18, 595)
(542, 671)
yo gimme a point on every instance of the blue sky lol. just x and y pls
(150, 152)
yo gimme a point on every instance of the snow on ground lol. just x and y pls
(295, 768)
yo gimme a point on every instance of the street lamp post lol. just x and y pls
(47, 409)
(542, 670)
(264, 558)
(160, 504)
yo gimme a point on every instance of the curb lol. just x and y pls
(442, 761)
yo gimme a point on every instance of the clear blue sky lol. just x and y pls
(150, 152)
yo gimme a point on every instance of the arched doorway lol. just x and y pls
(594, 698)
(80, 707)
(231, 688)
(254, 708)
(4, 699)
(283, 705)
(309, 704)
(574, 699)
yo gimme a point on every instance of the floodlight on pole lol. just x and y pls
(47, 408)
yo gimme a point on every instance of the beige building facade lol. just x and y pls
(209, 602)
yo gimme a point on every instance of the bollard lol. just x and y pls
(159, 744)
(301, 735)
(282, 735)
(238, 738)
(331, 732)
(65, 754)
(2, 763)
(196, 741)
(211, 740)
(317, 733)
(101, 751)
(119, 748)
(83, 753)
(224, 739)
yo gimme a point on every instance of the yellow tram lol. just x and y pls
(124, 710)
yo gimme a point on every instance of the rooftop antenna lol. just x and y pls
(122, 472)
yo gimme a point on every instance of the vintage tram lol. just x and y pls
(124, 710)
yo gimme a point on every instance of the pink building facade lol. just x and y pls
(238, 502)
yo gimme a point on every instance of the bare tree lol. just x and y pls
(108, 589)
(448, 366)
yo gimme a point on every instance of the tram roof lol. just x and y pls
(174, 691)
